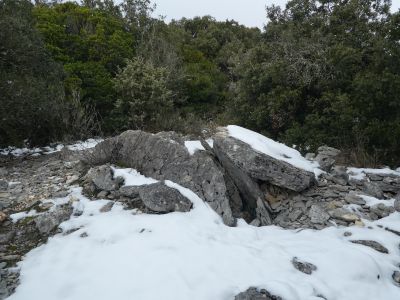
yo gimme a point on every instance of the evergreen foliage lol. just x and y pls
(321, 72)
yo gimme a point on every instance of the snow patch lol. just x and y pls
(193, 146)
(274, 149)
(193, 255)
(132, 177)
(372, 201)
(210, 142)
(80, 145)
(360, 173)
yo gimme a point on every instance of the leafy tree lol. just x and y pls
(92, 42)
(143, 96)
(325, 72)
(31, 90)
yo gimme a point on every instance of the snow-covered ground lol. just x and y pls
(181, 256)
(80, 145)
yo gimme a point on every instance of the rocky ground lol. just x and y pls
(236, 180)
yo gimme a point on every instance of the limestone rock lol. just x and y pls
(50, 220)
(396, 277)
(305, 267)
(344, 215)
(3, 217)
(259, 166)
(326, 157)
(107, 207)
(160, 198)
(130, 191)
(254, 294)
(354, 198)
(397, 205)
(372, 244)
(318, 215)
(3, 184)
(163, 158)
(373, 189)
(102, 178)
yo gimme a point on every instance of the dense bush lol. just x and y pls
(326, 72)
(321, 72)
(31, 89)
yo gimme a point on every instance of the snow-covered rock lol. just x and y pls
(263, 159)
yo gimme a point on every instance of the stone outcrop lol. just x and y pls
(259, 166)
(164, 156)
(241, 182)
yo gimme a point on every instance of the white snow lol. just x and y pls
(372, 201)
(272, 148)
(210, 142)
(180, 256)
(132, 177)
(80, 145)
(360, 173)
(193, 146)
(22, 215)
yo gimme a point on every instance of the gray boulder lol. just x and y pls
(255, 294)
(102, 178)
(373, 189)
(235, 154)
(326, 157)
(50, 220)
(163, 199)
(164, 157)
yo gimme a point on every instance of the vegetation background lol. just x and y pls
(320, 72)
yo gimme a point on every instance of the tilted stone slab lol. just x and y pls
(260, 166)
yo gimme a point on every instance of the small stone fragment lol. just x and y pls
(373, 189)
(107, 207)
(397, 204)
(396, 277)
(353, 198)
(318, 215)
(344, 215)
(3, 217)
(372, 244)
(3, 184)
(359, 223)
(255, 294)
(327, 157)
(305, 267)
(102, 195)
